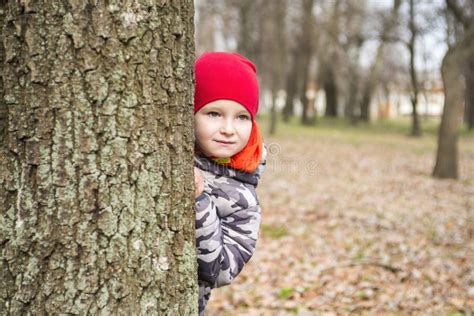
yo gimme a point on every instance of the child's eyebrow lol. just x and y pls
(212, 108)
(218, 109)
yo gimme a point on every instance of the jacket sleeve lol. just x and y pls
(224, 244)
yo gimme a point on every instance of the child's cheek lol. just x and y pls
(199, 129)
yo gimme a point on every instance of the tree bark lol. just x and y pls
(469, 94)
(3, 107)
(96, 175)
(451, 70)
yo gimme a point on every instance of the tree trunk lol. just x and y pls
(330, 89)
(96, 176)
(415, 127)
(205, 28)
(330, 62)
(469, 94)
(306, 47)
(306, 102)
(352, 105)
(3, 107)
(350, 108)
(376, 67)
(451, 70)
(246, 44)
(301, 57)
(291, 86)
(277, 56)
(273, 115)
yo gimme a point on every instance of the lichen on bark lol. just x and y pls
(96, 158)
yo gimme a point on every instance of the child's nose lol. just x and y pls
(227, 127)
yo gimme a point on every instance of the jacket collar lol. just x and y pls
(206, 164)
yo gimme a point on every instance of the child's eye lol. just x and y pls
(213, 114)
(243, 117)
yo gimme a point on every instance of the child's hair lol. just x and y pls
(230, 76)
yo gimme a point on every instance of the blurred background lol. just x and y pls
(366, 105)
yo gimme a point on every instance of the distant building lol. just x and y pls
(398, 102)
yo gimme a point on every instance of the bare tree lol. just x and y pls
(452, 67)
(96, 206)
(304, 59)
(376, 67)
(354, 16)
(218, 25)
(291, 85)
(329, 61)
(300, 57)
(277, 56)
(248, 25)
(205, 19)
(415, 128)
(419, 23)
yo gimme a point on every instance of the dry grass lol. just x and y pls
(353, 223)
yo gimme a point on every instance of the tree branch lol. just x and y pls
(458, 13)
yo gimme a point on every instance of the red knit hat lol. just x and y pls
(230, 76)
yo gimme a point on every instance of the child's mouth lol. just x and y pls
(224, 142)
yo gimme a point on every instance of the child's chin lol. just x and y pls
(223, 154)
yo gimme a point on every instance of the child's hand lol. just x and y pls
(198, 182)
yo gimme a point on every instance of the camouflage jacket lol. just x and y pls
(227, 224)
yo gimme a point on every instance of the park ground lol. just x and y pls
(354, 224)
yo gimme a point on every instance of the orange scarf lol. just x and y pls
(249, 157)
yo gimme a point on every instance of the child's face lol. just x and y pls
(222, 128)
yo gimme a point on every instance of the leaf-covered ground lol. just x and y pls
(353, 223)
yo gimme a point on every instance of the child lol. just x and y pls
(229, 161)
